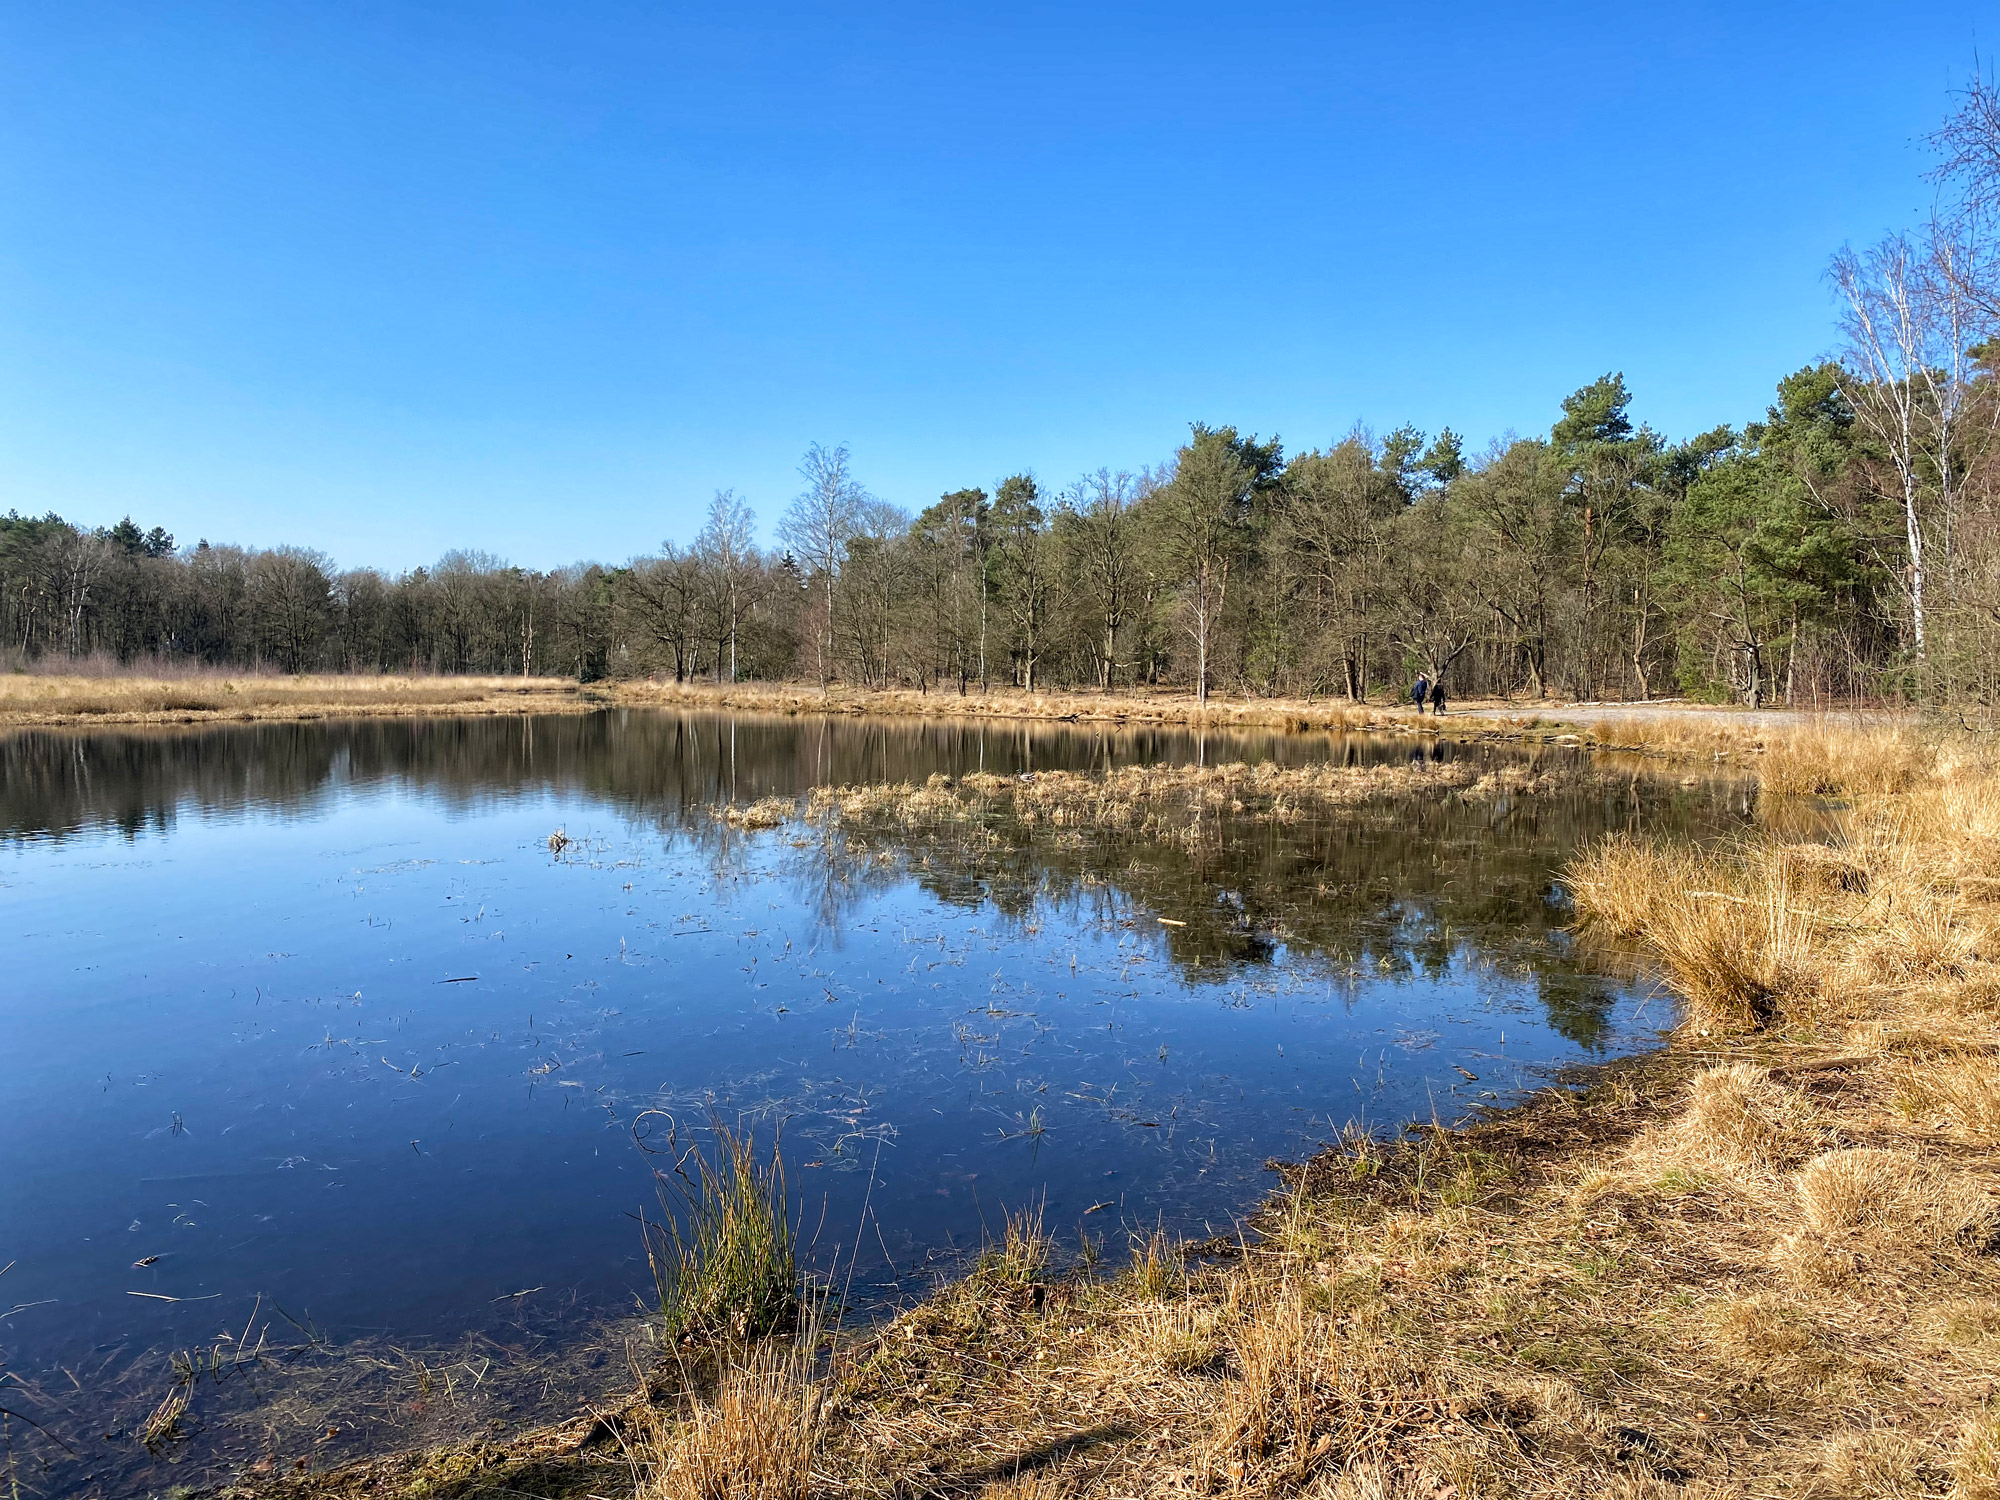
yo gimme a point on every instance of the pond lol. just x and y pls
(316, 1037)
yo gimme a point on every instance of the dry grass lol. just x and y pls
(765, 812)
(1960, 1095)
(1742, 1124)
(1134, 707)
(756, 1440)
(1181, 804)
(34, 700)
(1818, 755)
(1825, 753)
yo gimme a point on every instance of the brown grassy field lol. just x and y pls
(113, 697)
(1761, 1262)
(1801, 740)
(1131, 708)
(38, 700)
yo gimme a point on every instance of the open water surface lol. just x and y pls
(308, 1031)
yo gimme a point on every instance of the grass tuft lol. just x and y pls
(1158, 1268)
(765, 812)
(724, 1258)
(1022, 1257)
(1741, 1124)
(1917, 1203)
(1958, 1094)
(1975, 1463)
(1881, 1464)
(755, 1441)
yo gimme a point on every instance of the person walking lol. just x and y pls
(1421, 691)
(1437, 696)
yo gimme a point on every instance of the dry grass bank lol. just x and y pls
(1827, 755)
(1759, 1263)
(1127, 708)
(1814, 747)
(35, 700)
(196, 696)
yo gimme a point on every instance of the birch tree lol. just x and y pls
(817, 527)
(727, 550)
(1202, 522)
(1908, 321)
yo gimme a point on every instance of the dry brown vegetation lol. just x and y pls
(1831, 755)
(1761, 1262)
(1792, 753)
(39, 699)
(1183, 804)
(28, 700)
(1127, 707)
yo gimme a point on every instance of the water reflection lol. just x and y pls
(1388, 891)
(54, 784)
(309, 1014)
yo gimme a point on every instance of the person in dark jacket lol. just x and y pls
(1420, 691)
(1437, 696)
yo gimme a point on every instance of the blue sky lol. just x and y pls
(388, 278)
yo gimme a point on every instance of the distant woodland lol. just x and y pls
(1845, 545)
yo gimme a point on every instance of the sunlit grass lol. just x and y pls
(31, 698)
(724, 1258)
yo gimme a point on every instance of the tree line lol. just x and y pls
(1845, 545)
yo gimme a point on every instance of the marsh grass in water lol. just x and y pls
(724, 1254)
(1185, 804)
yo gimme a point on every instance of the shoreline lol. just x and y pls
(1758, 1259)
(1013, 1293)
(54, 702)
(32, 701)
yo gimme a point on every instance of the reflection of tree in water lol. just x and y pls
(662, 766)
(1390, 889)
(1413, 886)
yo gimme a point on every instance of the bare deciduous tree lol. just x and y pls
(1201, 520)
(727, 550)
(1100, 533)
(1908, 322)
(817, 527)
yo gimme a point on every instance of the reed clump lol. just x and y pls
(724, 1255)
(765, 812)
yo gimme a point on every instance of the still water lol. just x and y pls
(311, 1018)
